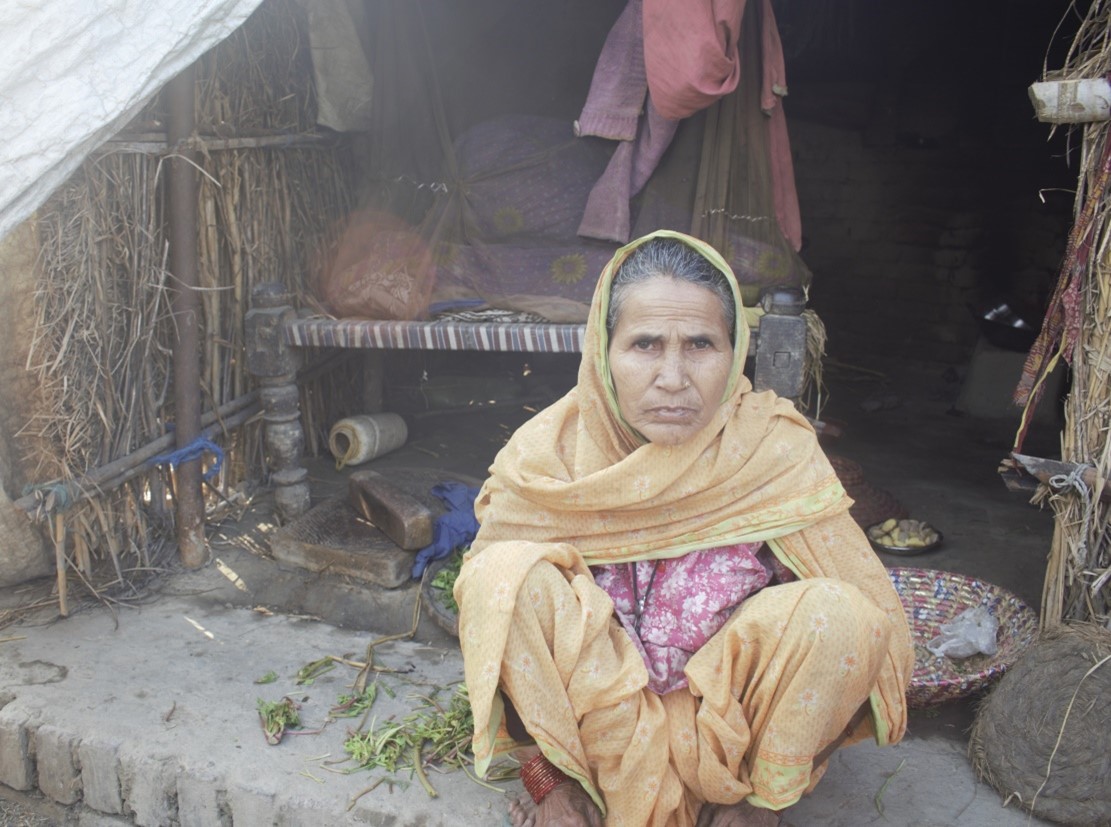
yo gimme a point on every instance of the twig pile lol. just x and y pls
(101, 349)
(1078, 575)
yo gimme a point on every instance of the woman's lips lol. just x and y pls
(669, 412)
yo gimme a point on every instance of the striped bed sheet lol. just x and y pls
(526, 337)
(489, 336)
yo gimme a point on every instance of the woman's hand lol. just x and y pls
(568, 805)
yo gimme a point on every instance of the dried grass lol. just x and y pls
(1078, 575)
(101, 346)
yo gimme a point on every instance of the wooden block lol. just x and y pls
(396, 513)
(331, 537)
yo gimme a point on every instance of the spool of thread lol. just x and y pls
(357, 439)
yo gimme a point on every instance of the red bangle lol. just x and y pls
(540, 776)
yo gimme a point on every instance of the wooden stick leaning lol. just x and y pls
(116, 473)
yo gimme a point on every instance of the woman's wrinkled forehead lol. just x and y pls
(669, 258)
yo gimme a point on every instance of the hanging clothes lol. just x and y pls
(668, 61)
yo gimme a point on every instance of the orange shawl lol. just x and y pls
(577, 486)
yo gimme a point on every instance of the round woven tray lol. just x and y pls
(932, 597)
(442, 615)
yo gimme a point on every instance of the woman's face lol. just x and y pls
(670, 356)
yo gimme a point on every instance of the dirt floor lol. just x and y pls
(900, 423)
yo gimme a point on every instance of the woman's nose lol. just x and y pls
(672, 375)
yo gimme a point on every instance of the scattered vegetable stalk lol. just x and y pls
(314, 669)
(277, 717)
(350, 706)
(432, 735)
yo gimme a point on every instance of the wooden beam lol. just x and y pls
(111, 476)
(156, 143)
(1072, 101)
(1046, 469)
(1017, 480)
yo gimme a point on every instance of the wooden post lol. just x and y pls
(59, 534)
(780, 363)
(189, 500)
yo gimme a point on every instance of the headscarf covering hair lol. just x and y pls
(754, 471)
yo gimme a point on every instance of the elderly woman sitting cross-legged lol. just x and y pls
(668, 615)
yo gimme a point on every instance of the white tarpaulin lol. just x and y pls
(72, 73)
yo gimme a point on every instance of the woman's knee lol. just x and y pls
(825, 603)
(816, 613)
(549, 590)
(839, 595)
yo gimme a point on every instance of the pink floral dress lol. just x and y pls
(670, 608)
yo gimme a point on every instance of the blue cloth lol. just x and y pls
(193, 451)
(455, 527)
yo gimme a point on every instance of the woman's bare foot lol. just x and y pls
(741, 814)
(568, 805)
(521, 810)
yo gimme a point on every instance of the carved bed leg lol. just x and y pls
(781, 349)
(274, 365)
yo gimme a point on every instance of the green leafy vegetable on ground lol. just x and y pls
(350, 706)
(277, 717)
(431, 735)
(308, 673)
(444, 581)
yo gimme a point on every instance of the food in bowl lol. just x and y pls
(908, 533)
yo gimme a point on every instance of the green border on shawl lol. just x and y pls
(740, 323)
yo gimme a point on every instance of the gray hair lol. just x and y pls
(670, 257)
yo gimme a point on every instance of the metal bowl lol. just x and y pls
(442, 615)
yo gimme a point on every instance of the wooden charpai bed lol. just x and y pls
(277, 335)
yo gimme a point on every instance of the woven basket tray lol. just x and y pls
(931, 598)
(873, 505)
(848, 471)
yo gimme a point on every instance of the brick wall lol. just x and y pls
(919, 167)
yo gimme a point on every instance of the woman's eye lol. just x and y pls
(643, 344)
(701, 344)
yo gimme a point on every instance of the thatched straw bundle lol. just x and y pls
(1041, 737)
(1078, 328)
(272, 194)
